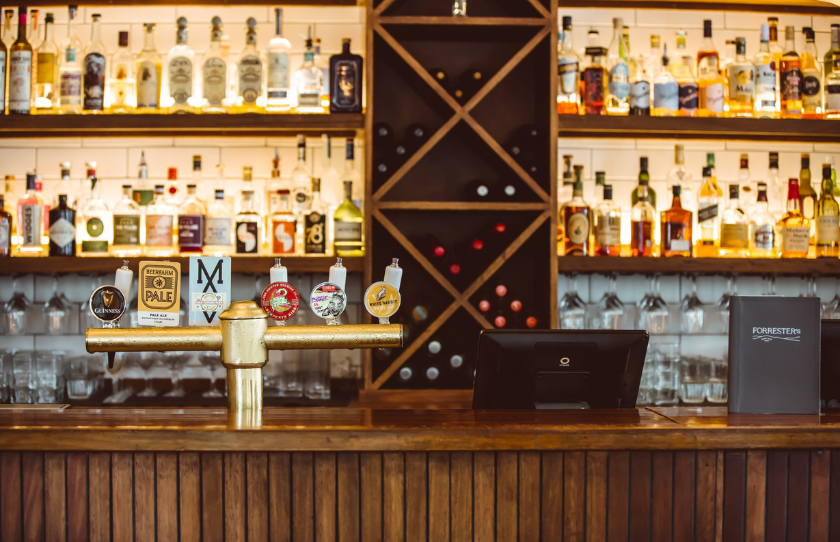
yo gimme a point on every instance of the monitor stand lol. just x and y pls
(561, 406)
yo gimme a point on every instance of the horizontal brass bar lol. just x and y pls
(326, 337)
(153, 339)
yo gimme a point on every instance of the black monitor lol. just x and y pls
(554, 369)
(830, 364)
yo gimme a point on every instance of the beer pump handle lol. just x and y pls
(393, 274)
(123, 280)
(279, 273)
(338, 274)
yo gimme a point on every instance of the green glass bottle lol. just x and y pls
(644, 179)
(349, 223)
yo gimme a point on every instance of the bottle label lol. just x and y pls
(309, 99)
(143, 196)
(283, 236)
(3, 76)
(159, 230)
(70, 54)
(20, 81)
(791, 80)
(619, 85)
(217, 231)
(807, 206)
(348, 231)
(94, 81)
(278, 75)
(640, 95)
(94, 246)
(314, 233)
(811, 91)
(734, 236)
(5, 237)
(343, 93)
(707, 213)
(180, 80)
(672, 237)
(795, 239)
(689, 99)
(94, 227)
(765, 79)
(577, 228)
(828, 229)
(608, 231)
(569, 73)
(250, 79)
(32, 222)
(832, 98)
(642, 236)
(147, 84)
(764, 237)
(713, 98)
(62, 233)
(71, 89)
(215, 80)
(593, 81)
(247, 237)
(46, 68)
(191, 231)
(127, 230)
(742, 84)
(666, 96)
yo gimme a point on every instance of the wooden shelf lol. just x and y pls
(699, 266)
(821, 131)
(295, 264)
(180, 125)
(462, 21)
(813, 7)
(229, 3)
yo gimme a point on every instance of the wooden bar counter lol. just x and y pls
(656, 474)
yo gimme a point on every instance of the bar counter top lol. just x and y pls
(358, 429)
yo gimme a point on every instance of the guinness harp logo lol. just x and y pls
(107, 304)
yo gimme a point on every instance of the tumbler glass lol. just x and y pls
(667, 375)
(49, 370)
(291, 375)
(80, 378)
(23, 371)
(695, 380)
(718, 377)
(318, 374)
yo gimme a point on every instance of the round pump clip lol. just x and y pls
(382, 300)
(107, 304)
(280, 301)
(327, 300)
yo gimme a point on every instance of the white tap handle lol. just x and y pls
(123, 279)
(338, 274)
(279, 273)
(393, 274)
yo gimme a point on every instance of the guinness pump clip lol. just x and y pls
(108, 303)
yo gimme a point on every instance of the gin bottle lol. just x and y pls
(149, 67)
(250, 73)
(93, 232)
(122, 93)
(128, 226)
(315, 223)
(812, 96)
(666, 91)
(762, 227)
(181, 81)
(191, 223)
(301, 180)
(94, 79)
(214, 73)
(30, 221)
(161, 235)
(70, 69)
(277, 67)
(308, 82)
(349, 226)
(618, 64)
(218, 227)
(62, 229)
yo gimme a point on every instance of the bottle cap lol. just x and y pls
(733, 191)
(765, 33)
(707, 171)
(806, 161)
(567, 22)
(675, 190)
(608, 191)
(216, 21)
(643, 162)
(123, 37)
(707, 28)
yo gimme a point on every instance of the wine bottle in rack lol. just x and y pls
(382, 134)
(433, 349)
(477, 190)
(400, 154)
(382, 170)
(415, 135)
(456, 361)
(440, 76)
(484, 300)
(469, 83)
(432, 374)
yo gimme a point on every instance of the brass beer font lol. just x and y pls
(244, 340)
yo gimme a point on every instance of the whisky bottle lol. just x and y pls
(46, 90)
(161, 235)
(600, 181)
(643, 225)
(30, 221)
(734, 229)
(568, 72)
(62, 229)
(741, 75)
(666, 91)
(149, 76)
(277, 68)
(607, 226)
(349, 226)
(807, 194)
(128, 226)
(191, 223)
(676, 228)
(577, 218)
(70, 69)
(122, 92)
(644, 179)
(762, 227)
(593, 82)
(708, 200)
(679, 175)
(95, 226)
(282, 223)
(791, 78)
(248, 238)
(301, 180)
(6, 229)
(618, 63)
(94, 72)
(828, 213)
(812, 96)
(182, 88)
(709, 78)
(218, 227)
(793, 228)
(832, 90)
(214, 68)
(315, 223)
(20, 70)
(308, 82)
(765, 78)
(345, 81)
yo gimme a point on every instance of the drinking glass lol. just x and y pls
(211, 361)
(693, 312)
(117, 394)
(175, 361)
(49, 371)
(80, 378)
(146, 361)
(572, 308)
(23, 372)
(717, 391)
(653, 312)
(55, 313)
(318, 374)
(769, 285)
(647, 384)
(831, 309)
(609, 311)
(667, 374)
(695, 380)
(86, 318)
(5, 375)
(722, 305)
(291, 381)
(15, 311)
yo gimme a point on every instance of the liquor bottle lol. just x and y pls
(149, 76)
(607, 226)
(709, 79)
(345, 81)
(70, 69)
(765, 78)
(600, 181)
(143, 194)
(811, 86)
(3, 81)
(214, 68)
(283, 225)
(191, 223)
(323, 64)
(62, 229)
(95, 226)
(748, 186)
(832, 90)
(735, 228)
(315, 223)
(46, 91)
(828, 58)
(644, 180)
(577, 219)
(308, 83)
(301, 180)
(277, 68)
(618, 63)
(94, 73)
(247, 225)
(161, 234)
(30, 221)
(807, 194)
(174, 195)
(777, 51)
(676, 228)
(791, 78)
(643, 225)
(350, 174)
(128, 226)
(6, 229)
(181, 82)
(218, 228)
(708, 200)
(592, 83)
(741, 75)
(762, 227)
(8, 37)
(349, 225)
(828, 219)
(689, 90)
(776, 191)
(20, 70)
(122, 92)
(794, 229)
(568, 72)
(249, 91)
(666, 91)
(679, 175)
(639, 99)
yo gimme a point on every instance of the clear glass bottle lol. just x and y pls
(607, 226)
(741, 75)
(93, 88)
(161, 234)
(181, 81)
(323, 64)
(709, 78)
(308, 82)
(94, 226)
(827, 219)
(618, 64)
(214, 68)
(277, 67)
(794, 229)
(128, 226)
(807, 194)
(577, 220)
(708, 217)
(790, 70)
(776, 190)
(248, 237)
(734, 229)
(594, 82)
(689, 94)
(30, 222)
(20, 70)
(350, 174)
(653, 61)
(122, 92)
(46, 89)
(315, 223)
(568, 72)
(639, 99)
(762, 227)
(832, 90)
(643, 226)
(249, 95)
(812, 95)
(191, 223)
(331, 188)
(149, 76)
(679, 175)
(676, 228)
(828, 58)
(301, 180)
(349, 226)
(666, 91)
(765, 78)
(70, 69)
(218, 227)
(62, 229)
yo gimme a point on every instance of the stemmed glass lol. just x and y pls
(722, 305)
(653, 311)
(55, 312)
(692, 310)
(831, 309)
(211, 362)
(146, 361)
(15, 321)
(175, 361)
(769, 285)
(572, 307)
(610, 310)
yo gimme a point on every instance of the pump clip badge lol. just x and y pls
(280, 300)
(328, 300)
(159, 300)
(382, 300)
(107, 304)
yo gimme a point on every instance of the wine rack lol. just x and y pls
(469, 207)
